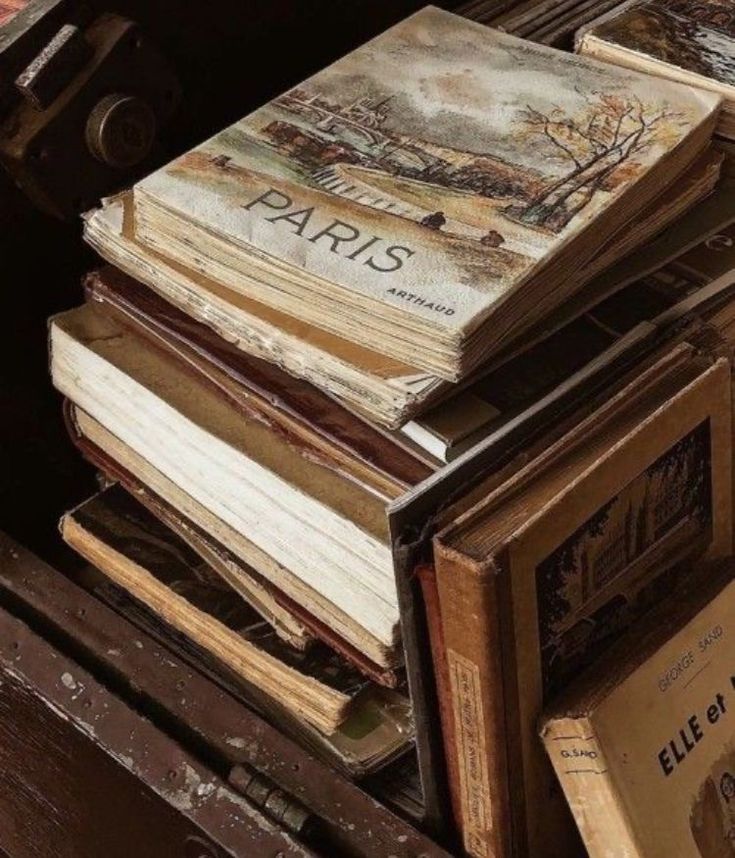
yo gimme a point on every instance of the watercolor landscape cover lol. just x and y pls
(432, 170)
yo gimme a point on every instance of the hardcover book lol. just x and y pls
(644, 744)
(431, 195)
(683, 40)
(554, 561)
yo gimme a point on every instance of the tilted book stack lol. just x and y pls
(417, 225)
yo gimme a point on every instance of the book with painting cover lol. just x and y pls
(429, 196)
(557, 557)
(644, 743)
(386, 391)
(691, 41)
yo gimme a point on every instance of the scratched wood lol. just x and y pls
(85, 776)
(199, 713)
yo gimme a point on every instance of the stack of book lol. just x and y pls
(384, 404)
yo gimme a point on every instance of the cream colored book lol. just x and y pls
(382, 389)
(644, 746)
(310, 529)
(431, 195)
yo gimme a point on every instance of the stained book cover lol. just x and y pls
(432, 170)
(644, 745)
(695, 35)
(578, 545)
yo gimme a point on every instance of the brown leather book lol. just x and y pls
(546, 571)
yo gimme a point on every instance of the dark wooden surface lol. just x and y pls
(85, 776)
(225, 737)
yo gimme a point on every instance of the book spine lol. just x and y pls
(472, 653)
(584, 774)
(427, 578)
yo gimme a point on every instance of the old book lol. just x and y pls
(238, 574)
(139, 553)
(346, 204)
(384, 390)
(377, 730)
(644, 743)
(556, 560)
(304, 510)
(681, 40)
(687, 287)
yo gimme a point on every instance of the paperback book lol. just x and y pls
(644, 743)
(430, 215)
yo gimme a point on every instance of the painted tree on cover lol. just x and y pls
(598, 146)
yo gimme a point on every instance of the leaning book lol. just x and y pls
(644, 746)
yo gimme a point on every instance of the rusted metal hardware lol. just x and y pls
(83, 101)
(47, 74)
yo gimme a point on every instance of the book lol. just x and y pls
(244, 467)
(644, 743)
(347, 204)
(680, 40)
(383, 390)
(687, 286)
(238, 574)
(555, 559)
(377, 730)
(140, 554)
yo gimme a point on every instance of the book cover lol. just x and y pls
(697, 36)
(644, 745)
(426, 175)
(561, 559)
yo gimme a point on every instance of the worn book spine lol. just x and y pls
(426, 575)
(469, 599)
(581, 767)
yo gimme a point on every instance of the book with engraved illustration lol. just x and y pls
(643, 743)
(690, 41)
(428, 215)
(557, 559)
(386, 391)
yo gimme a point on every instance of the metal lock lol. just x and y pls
(86, 111)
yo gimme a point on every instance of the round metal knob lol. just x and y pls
(121, 130)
